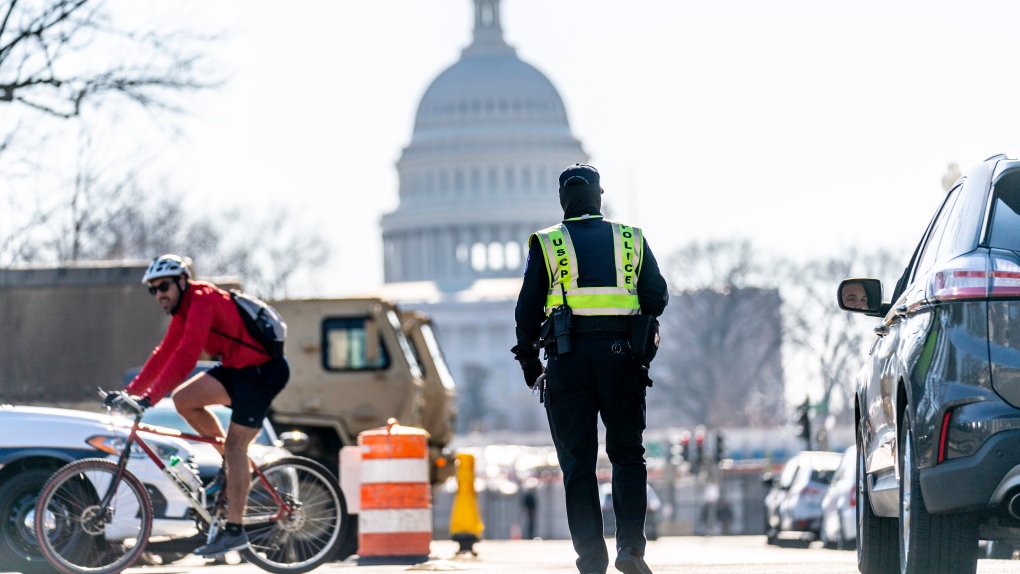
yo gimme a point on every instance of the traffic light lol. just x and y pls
(804, 422)
(699, 446)
(720, 447)
(678, 448)
(685, 446)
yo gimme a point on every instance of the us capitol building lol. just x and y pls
(479, 175)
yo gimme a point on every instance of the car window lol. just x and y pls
(1005, 227)
(789, 472)
(931, 247)
(955, 224)
(822, 476)
(970, 208)
(846, 465)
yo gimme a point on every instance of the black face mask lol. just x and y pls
(577, 200)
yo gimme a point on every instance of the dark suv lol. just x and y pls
(938, 400)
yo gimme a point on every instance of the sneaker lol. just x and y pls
(630, 562)
(216, 484)
(222, 544)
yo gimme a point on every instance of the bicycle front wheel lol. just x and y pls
(77, 533)
(306, 537)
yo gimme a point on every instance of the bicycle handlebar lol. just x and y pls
(122, 401)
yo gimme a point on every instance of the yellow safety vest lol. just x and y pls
(561, 258)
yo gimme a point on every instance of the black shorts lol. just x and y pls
(252, 389)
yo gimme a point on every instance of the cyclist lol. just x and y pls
(205, 318)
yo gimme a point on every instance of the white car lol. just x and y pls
(839, 507)
(793, 505)
(266, 448)
(36, 441)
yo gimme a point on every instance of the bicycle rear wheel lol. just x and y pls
(76, 534)
(308, 536)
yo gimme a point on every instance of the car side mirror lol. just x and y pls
(860, 295)
(767, 479)
(294, 441)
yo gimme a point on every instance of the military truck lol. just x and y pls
(355, 363)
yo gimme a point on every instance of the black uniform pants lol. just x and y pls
(597, 377)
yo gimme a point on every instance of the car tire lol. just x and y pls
(19, 550)
(841, 542)
(930, 543)
(823, 536)
(877, 540)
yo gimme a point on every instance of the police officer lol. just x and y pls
(607, 276)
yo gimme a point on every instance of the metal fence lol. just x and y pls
(720, 502)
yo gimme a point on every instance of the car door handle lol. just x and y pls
(881, 330)
(902, 310)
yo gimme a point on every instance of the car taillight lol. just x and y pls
(966, 279)
(1005, 278)
(852, 497)
(975, 277)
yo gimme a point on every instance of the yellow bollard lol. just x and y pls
(465, 521)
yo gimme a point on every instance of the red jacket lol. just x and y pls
(203, 309)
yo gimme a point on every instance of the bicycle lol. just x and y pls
(94, 516)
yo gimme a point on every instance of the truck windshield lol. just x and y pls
(412, 362)
(437, 356)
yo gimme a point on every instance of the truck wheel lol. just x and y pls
(930, 543)
(877, 547)
(19, 550)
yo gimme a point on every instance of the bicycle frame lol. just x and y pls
(195, 499)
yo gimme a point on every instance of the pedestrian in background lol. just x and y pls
(591, 291)
(530, 505)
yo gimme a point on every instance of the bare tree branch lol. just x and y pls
(720, 359)
(57, 55)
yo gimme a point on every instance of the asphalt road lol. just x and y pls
(667, 555)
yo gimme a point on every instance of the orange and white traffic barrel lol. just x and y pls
(395, 523)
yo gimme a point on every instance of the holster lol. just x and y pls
(555, 333)
(644, 331)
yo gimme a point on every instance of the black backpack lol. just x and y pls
(264, 323)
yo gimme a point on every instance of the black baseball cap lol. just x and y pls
(579, 174)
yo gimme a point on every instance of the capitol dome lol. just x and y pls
(480, 172)
(490, 93)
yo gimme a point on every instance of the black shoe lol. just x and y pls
(630, 562)
(216, 484)
(222, 544)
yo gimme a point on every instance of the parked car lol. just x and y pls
(36, 441)
(839, 506)
(794, 501)
(938, 398)
(654, 505)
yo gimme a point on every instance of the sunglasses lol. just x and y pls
(161, 288)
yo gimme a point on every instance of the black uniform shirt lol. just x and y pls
(596, 262)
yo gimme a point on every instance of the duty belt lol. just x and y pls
(596, 323)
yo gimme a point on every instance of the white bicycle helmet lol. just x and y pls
(166, 266)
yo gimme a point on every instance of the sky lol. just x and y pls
(806, 127)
